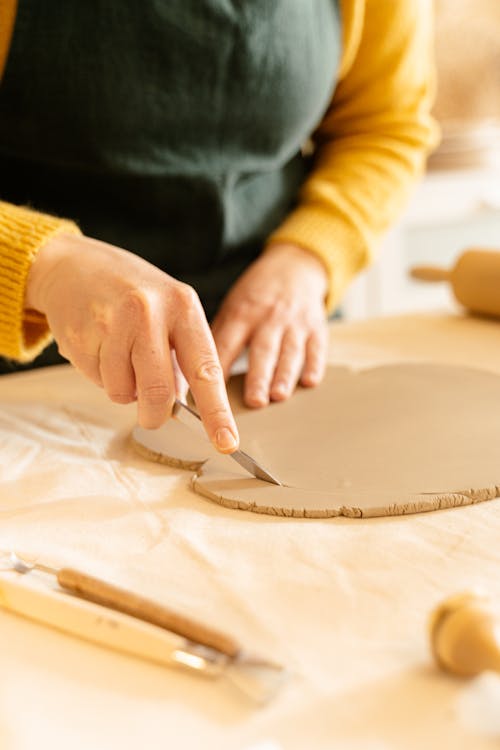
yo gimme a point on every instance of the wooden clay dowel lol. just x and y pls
(429, 273)
(474, 279)
(465, 635)
(108, 595)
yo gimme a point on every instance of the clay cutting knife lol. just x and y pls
(152, 440)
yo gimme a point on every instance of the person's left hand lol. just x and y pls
(277, 309)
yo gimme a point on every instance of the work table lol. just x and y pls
(343, 603)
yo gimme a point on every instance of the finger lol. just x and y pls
(230, 336)
(289, 367)
(181, 384)
(154, 378)
(198, 359)
(116, 370)
(81, 351)
(262, 359)
(87, 364)
(316, 357)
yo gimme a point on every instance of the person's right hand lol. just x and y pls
(126, 324)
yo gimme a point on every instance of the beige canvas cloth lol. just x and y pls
(343, 602)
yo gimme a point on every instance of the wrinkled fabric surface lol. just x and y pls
(343, 602)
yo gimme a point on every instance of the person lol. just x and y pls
(179, 130)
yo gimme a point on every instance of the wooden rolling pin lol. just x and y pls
(475, 280)
(465, 635)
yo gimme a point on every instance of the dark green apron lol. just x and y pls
(171, 128)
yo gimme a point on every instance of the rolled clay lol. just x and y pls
(475, 280)
(390, 440)
(465, 635)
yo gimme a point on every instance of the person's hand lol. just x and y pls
(277, 309)
(126, 324)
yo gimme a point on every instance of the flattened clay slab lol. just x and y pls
(390, 440)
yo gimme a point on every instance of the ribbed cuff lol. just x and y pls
(332, 239)
(23, 334)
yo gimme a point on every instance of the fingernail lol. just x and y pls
(225, 440)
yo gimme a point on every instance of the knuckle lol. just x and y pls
(317, 329)
(216, 415)
(73, 338)
(241, 310)
(101, 315)
(156, 394)
(281, 311)
(294, 339)
(137, 303)
(256, 385)
(208, 370)
(187, 296)
(261, 348)
(289, 352)
(294, 336)
(315, 340)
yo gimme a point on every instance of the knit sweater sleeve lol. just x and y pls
(373, 140)
(23, 333)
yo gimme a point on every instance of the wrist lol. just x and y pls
(304, 260)
(46, 259)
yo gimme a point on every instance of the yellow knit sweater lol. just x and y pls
(369, 148)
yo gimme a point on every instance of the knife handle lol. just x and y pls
(121, 600)
(30, 598)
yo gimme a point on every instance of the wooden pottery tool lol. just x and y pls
(100, 592)
(475, 280)
(95, 610)
(465, 635)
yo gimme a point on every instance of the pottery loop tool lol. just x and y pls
(474, 280)
(465, 635)
(111, 616)
(152, 440)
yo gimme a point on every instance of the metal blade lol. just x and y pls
(254, 468)
(259, 679)
(191, 419)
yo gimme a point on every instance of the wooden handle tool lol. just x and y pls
(475, 280)
(465, 635)
(31, 597)
(121, 600)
